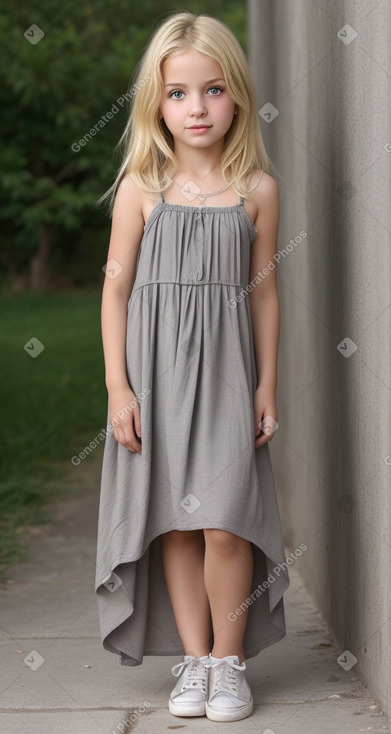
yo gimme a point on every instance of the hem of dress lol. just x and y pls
(220, 526)
(126, 660)
(129, 661)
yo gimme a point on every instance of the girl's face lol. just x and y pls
(195, 93)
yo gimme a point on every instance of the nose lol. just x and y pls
(197, 105)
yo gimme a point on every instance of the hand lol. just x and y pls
(265, 408)
(124, 411)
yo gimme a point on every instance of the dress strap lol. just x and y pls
(161, 196)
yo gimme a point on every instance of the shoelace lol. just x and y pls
(195, 675)
(225, 679)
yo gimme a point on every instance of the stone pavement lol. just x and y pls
(55, 676)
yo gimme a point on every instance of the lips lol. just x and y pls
(198, 127)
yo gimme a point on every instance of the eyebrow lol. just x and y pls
(182, 84)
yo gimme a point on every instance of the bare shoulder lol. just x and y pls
(264, 192)
(138, 203)
(128, 199)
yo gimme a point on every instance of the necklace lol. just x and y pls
(201, 197)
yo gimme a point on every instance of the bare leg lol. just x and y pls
(228, 575)
(183, 563)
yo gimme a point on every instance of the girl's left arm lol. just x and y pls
(265, 306)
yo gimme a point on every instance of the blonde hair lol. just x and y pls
(148, 150)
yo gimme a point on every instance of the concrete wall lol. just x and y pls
(330, 143)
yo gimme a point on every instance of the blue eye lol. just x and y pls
(179, 91)
(176, 91)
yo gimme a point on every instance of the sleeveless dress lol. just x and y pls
(191, 364)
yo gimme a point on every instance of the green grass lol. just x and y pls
(52, 405)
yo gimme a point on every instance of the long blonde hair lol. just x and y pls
(148, 149)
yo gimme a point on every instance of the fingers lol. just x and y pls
(127, 438)
(261, 440)
(127, 428)
(263, 436)
(137, 423)
(265, 429)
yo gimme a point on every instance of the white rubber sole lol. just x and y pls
(229, 715)
(185, 709)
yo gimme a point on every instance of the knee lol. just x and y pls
(223, 542)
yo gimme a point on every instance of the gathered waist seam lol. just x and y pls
(175, 282)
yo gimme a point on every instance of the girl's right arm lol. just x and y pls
(126, 234)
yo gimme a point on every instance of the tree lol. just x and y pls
(54, 90)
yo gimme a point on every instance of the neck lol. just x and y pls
(199, 165)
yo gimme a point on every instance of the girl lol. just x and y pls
(190, 556)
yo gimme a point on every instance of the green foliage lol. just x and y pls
(53, 405)
(51, 94)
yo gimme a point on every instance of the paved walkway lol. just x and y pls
(56, 677)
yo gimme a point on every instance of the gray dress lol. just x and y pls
(191, 364)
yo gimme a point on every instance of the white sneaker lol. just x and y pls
(189, 695)
(229, 696)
